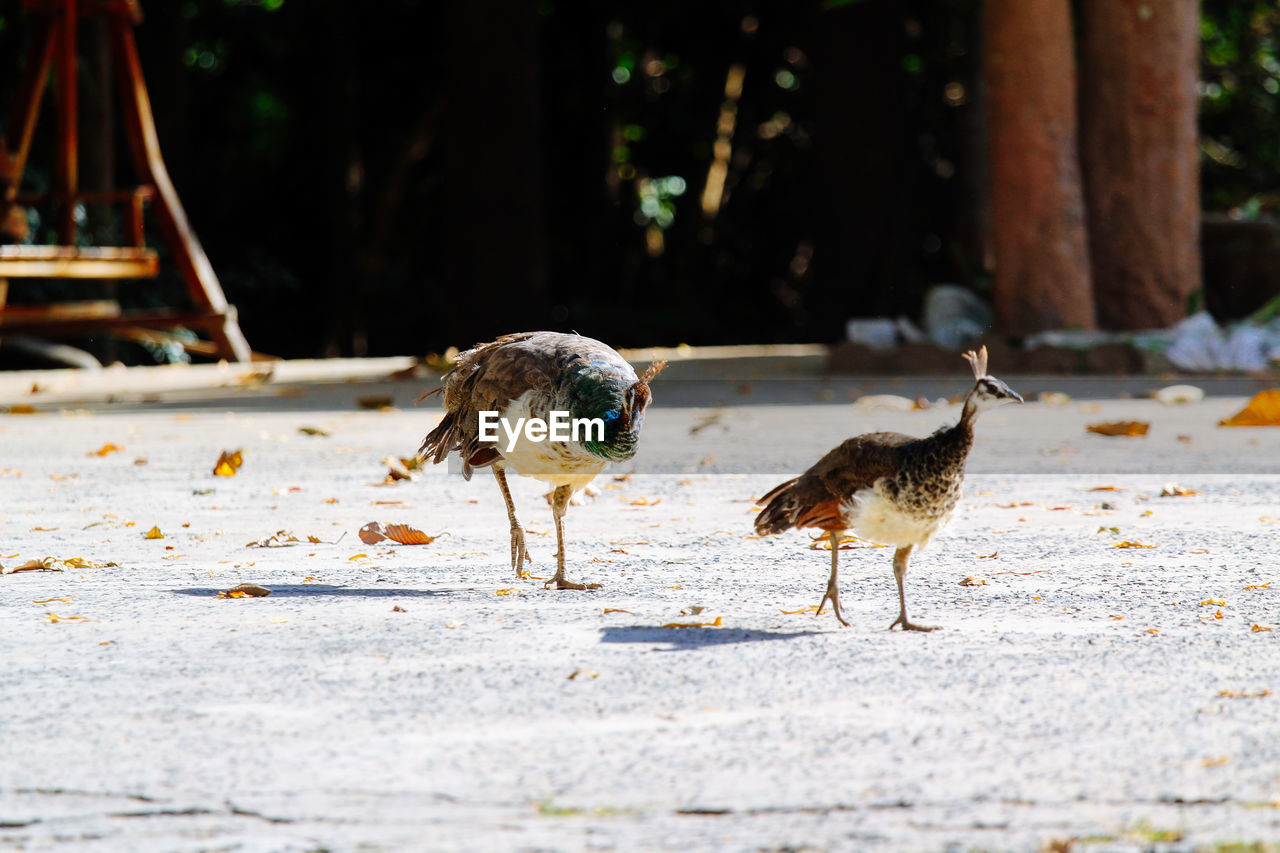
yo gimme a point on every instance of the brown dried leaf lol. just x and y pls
(228, 463)
(1129, 428)
(1173, 490)
(245, 590)
(54, 617)
(376, 531)
(48, 564)
(812, 608)
(280, 539)
(378, 402)
(1239, 694)
(583, 673)
(106, 450)
(1131, 544)
(153, 533)
(1258, 628)
(645, 502)
(310, 430)
(1262, 410)
(609, 610)
(972, 581)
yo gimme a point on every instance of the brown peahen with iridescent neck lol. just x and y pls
(533, 375)
(885, 487)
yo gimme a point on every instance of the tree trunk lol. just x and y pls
(1138, 145)
(1037, 207)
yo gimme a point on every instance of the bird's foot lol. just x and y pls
(519, 551)
(835, 605)
(910, 626)
(560, 582)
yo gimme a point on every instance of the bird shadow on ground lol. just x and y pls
(685, 639)
(313, 590)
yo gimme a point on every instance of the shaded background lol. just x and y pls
(408, 176)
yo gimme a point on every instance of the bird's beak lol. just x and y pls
(1015, 396)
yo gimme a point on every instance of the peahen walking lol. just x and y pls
(888, 488)
(533, 375)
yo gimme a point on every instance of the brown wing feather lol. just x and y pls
(813, 499)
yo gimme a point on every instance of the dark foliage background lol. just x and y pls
(404, 176)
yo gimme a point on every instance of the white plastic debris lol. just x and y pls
(955, 316)
(875, 332)
(1199, 344)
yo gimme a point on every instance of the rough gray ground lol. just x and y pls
(1079, 691)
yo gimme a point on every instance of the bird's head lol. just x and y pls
(624, 418)
(988, 392)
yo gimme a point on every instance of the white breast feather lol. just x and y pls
(878, 519)
(556, 462)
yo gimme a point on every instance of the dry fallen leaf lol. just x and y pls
(54, 617)
(508, 591)
(1129, 428)
(1258, 629)
(376, 531)
(1173, 490)
(1215, 602)
(972, 581)
(716, 624)
(609, 610)
(279, 539)
(645, 502)
(1215, 762)
(82, 563)
(153, 533)
(107, 449)
(245, 590)
(228, 463)
(1106, 489)
(47, 600)
(1262, 410)
(583, 673)
(1238, 694)
(1266, 585)
(812, 608)
(377, 401)
(310, 430)
(1130, 544)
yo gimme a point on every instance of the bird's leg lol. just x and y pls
(519, 553)
(559, 502)
(833, 590)
(900, 558)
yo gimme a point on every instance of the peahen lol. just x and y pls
(888, 488)
(533, 375)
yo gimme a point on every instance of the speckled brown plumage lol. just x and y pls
(887, 487)
(529, 375)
